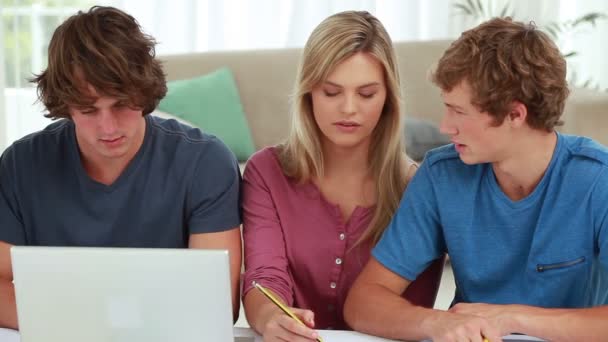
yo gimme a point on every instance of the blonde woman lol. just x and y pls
(314, 206)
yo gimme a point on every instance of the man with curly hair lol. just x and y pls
(106, 173)
(520, 208)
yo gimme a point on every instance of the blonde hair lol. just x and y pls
(335, 39)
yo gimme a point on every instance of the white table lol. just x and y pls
(7, 335)
(328, 335)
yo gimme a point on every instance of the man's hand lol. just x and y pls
(498, 316)
(455, 327)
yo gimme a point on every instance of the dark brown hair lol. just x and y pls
(505, 61)
(107, 49)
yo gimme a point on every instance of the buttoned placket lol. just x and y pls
(337, 269)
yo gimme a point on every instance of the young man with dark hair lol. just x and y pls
(520, 208)
(108, 174)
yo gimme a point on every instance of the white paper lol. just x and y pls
(351, 336)
(518, 338)
(7, 335)
(513, 338)
(327, 335)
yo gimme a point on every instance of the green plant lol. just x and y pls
(480, 11)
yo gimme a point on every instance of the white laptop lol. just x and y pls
(73, 294)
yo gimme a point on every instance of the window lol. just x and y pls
(27, 27)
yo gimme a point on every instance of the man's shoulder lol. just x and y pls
(441, 155)
(43, 143)
(172, 130)
(587, 149)
(187, 139)
(447, 159)
(184, 145)
(444, 166)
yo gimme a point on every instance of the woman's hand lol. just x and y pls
(281, 327)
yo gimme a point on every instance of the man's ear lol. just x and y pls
(518, 114)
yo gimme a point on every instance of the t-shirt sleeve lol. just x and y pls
(11, 225)
(414, 237)
(600, 198)
(213, 198)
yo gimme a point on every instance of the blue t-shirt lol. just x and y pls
(180, 182)
(549, 249)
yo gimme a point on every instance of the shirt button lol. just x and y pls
(332, 285)
(338, 261)
(342, 236)
(330, 307)
(330, 328)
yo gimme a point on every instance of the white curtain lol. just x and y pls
(403, 19)
(590, 64)
(3, 139)
(258, 24)
(587, 41)
(182, 26)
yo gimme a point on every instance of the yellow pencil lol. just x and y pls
(281, 306)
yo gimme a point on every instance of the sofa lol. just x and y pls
(265, 80)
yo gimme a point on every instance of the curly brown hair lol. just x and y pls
(505, 61)
(106, 49)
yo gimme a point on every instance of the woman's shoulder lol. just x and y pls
(265, 162)
(266, 157)
(410, 169)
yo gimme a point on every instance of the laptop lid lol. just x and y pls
(73, 294)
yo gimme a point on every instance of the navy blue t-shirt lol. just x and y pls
(180, 182)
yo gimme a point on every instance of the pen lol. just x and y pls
(280, 305)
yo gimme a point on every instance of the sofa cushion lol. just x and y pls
(422, 136)
(211, 102)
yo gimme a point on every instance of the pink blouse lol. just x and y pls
(298, 245)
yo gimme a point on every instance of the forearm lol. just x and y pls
(8, 309)
(236, 262)
(229, 240)
(258, 310)
(561, 324)
(236, 294)
(389, 316)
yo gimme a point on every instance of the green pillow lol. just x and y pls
(211, 102)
